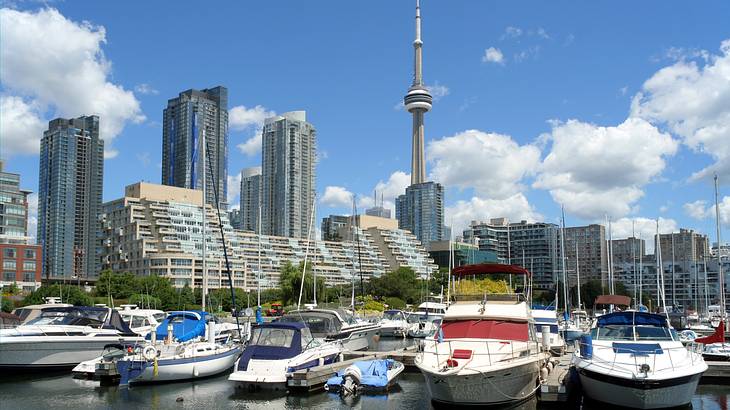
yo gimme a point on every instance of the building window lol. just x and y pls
(29, 266)
(9, 276)
(10, 265)
(30, 254)
(9, 252)
(28, 277)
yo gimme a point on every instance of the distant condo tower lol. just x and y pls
(188, 118)
(421, 209)
(418, 102)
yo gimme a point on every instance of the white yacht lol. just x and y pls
(485, 352)
(635, 359)
(426, 319)
(277, 349)
(30, 312)
(62, 337)
(393, 323)
(548, 319)
(336, 325)
(141, 321)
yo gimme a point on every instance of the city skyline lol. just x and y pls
(541, 154)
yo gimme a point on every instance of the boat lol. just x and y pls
(422, 325)
(30, 312)
(336, 325)
(547, 320)
(714, 347)
(635, 359)
(393, 323)
(277, 349)
(182, 347)
(141, 321)
(485, 351)
(365, 376)
(62, 337)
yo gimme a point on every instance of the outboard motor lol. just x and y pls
(350, 381)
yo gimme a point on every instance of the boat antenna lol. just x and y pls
(721, 280)
(225, 248)
(306, 252)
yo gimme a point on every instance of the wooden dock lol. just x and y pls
(717, 372)
(314, 378)
(559, 383)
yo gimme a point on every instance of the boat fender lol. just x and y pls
(586, 346)
(196, 373)
(544, 373)
(320, 362)
(549, 367)
(149, 352)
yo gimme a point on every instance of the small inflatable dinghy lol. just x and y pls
(366, 375)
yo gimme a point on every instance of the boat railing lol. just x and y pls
(457, 353)
(691, 351)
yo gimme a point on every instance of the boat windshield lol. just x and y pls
(393, 315)
(69, 318)
(628, 332)
(421, 317)
(272, 337)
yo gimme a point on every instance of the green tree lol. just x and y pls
(117, 285)
(291, 281)
(68, 293)
(11, 289)
(401, 283)
(7, 305)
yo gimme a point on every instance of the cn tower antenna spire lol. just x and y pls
(418, 101)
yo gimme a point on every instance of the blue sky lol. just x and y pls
(546, 89)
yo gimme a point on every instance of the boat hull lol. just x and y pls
(33, 353)
(490, 387)
(641, 394)
(359, 339)
(185, 369)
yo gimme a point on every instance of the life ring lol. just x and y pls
(149, 352)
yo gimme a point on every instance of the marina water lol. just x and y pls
(61, 391)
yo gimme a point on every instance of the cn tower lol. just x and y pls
(418, 101)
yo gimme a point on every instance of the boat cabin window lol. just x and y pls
(272, 337)
(159, 317)
(68, 318)
(629, 332)
(22, 313)
(653, 333)
(486, 329)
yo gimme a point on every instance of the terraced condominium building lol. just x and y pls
(156, 229)
(70, 178)
(288, 168)
(187, 118)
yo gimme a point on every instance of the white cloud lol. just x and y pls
(493, 55)
(438, 91)
(700, 210)
(595, 170)
(516, 208)
(530, 52)
(492, 164)
(146, 89)
(144, 158)
(32, 217)
(59, 66)
(396, 185)
(693, 102)
(511, 32)
(643, 228)
(336, 197)
(542, 33)
(21, 126)
(234, 190)
(241, 118)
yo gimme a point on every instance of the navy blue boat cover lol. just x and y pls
(186, 325)
(638, 349)
(632, 318)
(254, 351)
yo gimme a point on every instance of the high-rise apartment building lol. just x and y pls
(421, 211)
(592, 253)
(234, 216)
(534, 246)
(13, 208)
(251, 185)
(685, 245)
(288, 175)
(334, 228)
(189, 117)
(630, 250)
(71, 174)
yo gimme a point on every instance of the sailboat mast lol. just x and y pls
(659, 271)
(633, 260)
(565, 272)
(641, 273)
(720, 278)
(306, 252)
(258, 270)
(674, 290)
(204, 290)
(577, 273)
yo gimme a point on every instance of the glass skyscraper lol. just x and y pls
(421, 211)
(288, 168)
(186, 119)
(71, 174)
(250, 198)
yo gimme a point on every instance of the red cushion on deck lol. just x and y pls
(461, 354)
